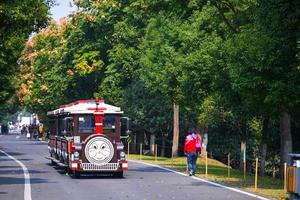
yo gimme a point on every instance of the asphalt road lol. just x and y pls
(141, 182)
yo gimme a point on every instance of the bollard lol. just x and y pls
(141, 150)
(256, 172)
(206, 165)
(128, 150)
(285, 177)
(155, 150)
(229, 165)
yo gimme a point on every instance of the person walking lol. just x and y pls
(40, 128)
(30, 130)
(27, 132)
(192, 148)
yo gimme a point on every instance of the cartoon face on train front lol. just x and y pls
(99, 150)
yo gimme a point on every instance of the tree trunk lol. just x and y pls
(243, 155)
(243, 130)
(152, 144)
(163, 145)
(263, 154)
(133, 145)
(175, 130)
(263, 147)
(285, 140)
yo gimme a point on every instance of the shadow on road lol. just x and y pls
(98, 176)
(200, 183)
(149, 169)
(4, 157)
(20, 171)
(12, 154)
(3, 167)
(22, 159)
(15, 181)
(3, 192)
(36, 143)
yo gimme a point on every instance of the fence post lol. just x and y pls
(155, 150)
(206, 165)
(229, 165)
(256, 172)
(284, 181)
(141, 150)
(128, 150)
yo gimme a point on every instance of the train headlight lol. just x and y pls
(76, 156)
(122, 155)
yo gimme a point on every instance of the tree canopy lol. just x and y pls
(232, 66)
(18, 19)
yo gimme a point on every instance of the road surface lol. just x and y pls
(26, 174)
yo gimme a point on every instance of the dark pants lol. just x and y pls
(191, 161)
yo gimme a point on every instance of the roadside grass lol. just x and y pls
(218, 172)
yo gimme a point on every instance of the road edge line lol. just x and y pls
(27, 186)
(203, 180)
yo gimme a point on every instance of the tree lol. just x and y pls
(229, 65)
(264, 70)
(18, 19)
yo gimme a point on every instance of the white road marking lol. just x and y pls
(206, 181)
(27, 187)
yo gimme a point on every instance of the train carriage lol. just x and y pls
(86, 137)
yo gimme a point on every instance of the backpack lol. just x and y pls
(198, 144)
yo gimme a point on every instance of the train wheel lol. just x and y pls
(76, 174)
(294, 197)
(53, 163)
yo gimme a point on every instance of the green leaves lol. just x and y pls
(87, 62)
(226, 63)
(18, 19)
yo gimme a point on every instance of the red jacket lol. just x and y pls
(192, 144)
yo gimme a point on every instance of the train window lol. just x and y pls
(86, 124)
(52, 126)
(61, 126)
(109, 125)
(68, 126)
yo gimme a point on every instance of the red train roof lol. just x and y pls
(86, 107)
